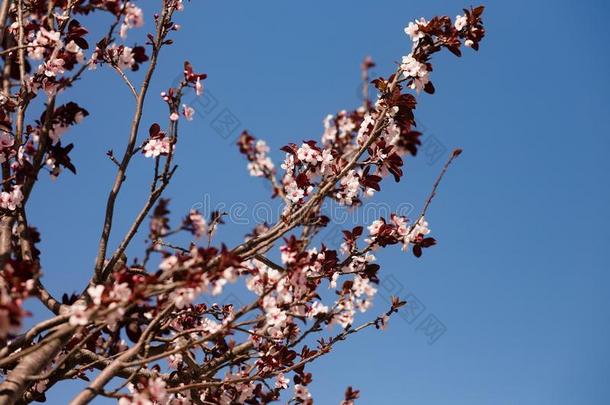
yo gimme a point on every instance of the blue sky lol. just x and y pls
(519, 280)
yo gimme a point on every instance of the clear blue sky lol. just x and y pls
(520, 276)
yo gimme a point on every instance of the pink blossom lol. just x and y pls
(54, 67)
(198, 223)
(327, 161)
(288, 164)
(156, 147)
(198, 87)
(41, 41)
(120, 292)
(168, 263)
(136, 399)
(349, 188)
(134, 18)
(11, 200)
(78, 316)
(95, 292)
(210, 326)
(156, 388)
(420, 228)
(174, 361)
(309, 155)
(281, 381)
(367, 122)
(6, 142)
(301, 392)
(345, 318)
(384, 322)
(293, 192)
(401, 224)
(188, 112)
(124, 57)
(330, 130)
(182, 297)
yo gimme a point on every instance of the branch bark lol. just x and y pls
(131, 144)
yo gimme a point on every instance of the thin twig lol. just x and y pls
(126, 80)
(452, 157)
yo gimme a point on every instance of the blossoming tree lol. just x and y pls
(139, 331)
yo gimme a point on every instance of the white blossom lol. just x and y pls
(95, 292)
(134, 17)
(293, 192)
(460, 22)
(420, 228)
(11, 200)
(78, 316)
(413, 69)
(375, 226)
(317, 308)
(198, 87)
(413, 29)
(262, 163)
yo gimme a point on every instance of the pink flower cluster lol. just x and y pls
(10, 200)
(134, 18)
(158, 144)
